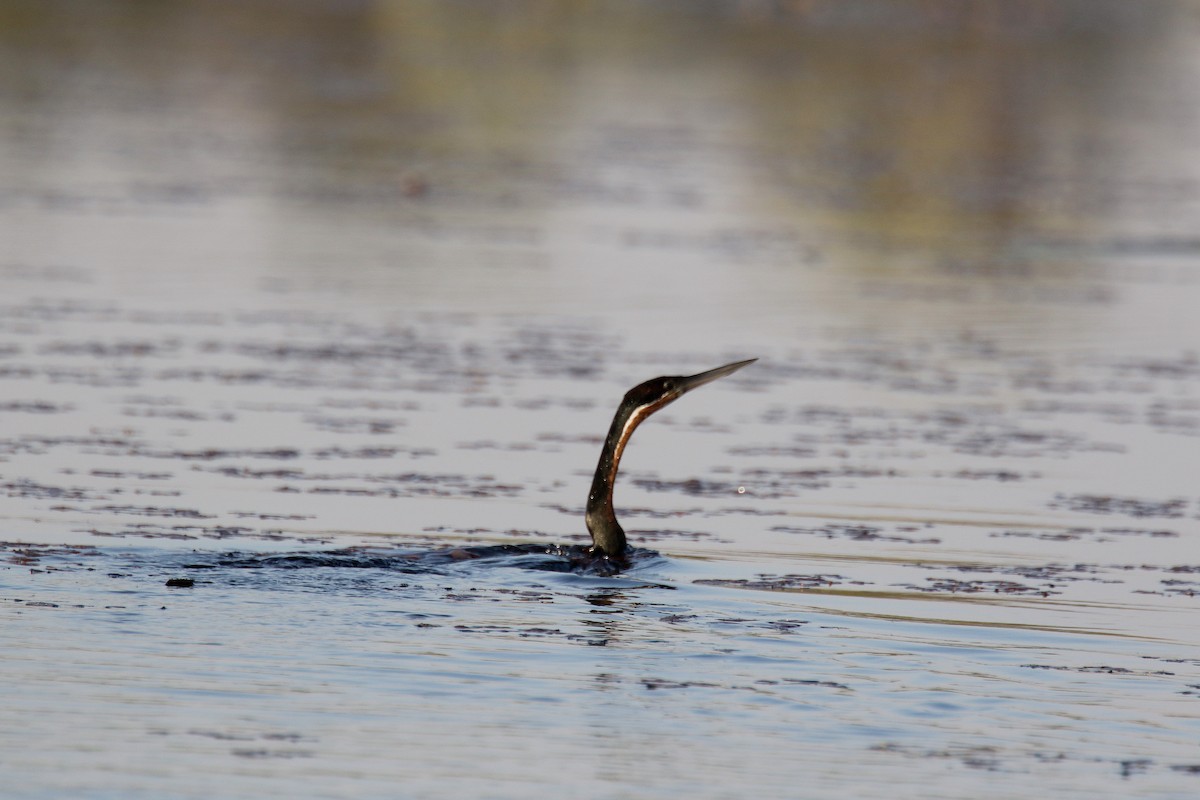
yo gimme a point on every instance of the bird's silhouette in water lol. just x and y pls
(608, 538)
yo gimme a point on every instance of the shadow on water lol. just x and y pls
(576, 559)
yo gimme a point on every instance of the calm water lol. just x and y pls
(295, 303)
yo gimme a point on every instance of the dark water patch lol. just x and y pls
(151, 531)
(1106, 410)
(985, 758)
(1175, 587)
(39, 445)
(528, 632)
(138, 511)
(374, 426)
(1178, 425)
(416, 484)
(26, 488)
(785, 626)
(821, 684)
(143, 532)
(1154, 534)
(779, 451)
(368, 452)
(1134, 766)
(180, 414)
(23, 554)
(954, 586)
(1001, 475)
(1092, 534)
(1102, 670)
(693, 487)
(812, 478)
(212, 454)
(660, 683)
(1185, 366)
(591, 440)
(1050, 578)
(257, 753)
(265, 516)
(226, 736)
(491, 444)
(116, 474)
(1124, 506)
(122, 376)
(857, 533)
(283, 454)
(780, 583)
(997, 759)
(659, 535)
(1060, 572)
(274, 474)
(94, 348)
(9, 372)
(758, 686)
(748, 511)
(35, 407)
(1072, 535)
(758, 483)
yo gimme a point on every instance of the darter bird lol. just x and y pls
(608, 539)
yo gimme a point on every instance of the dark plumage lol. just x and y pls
(641, 401)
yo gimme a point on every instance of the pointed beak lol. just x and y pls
(693, 381)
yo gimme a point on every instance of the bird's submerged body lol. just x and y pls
(608, 538)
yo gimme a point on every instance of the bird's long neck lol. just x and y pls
(639, 402)
(607, 534)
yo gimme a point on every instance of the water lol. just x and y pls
(307, 310)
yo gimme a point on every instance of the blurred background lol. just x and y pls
(914, 162)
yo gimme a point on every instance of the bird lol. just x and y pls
(609, 553)
(608, 538)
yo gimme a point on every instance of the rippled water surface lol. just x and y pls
(312, 322)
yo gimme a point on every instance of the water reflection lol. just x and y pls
(566, 151)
